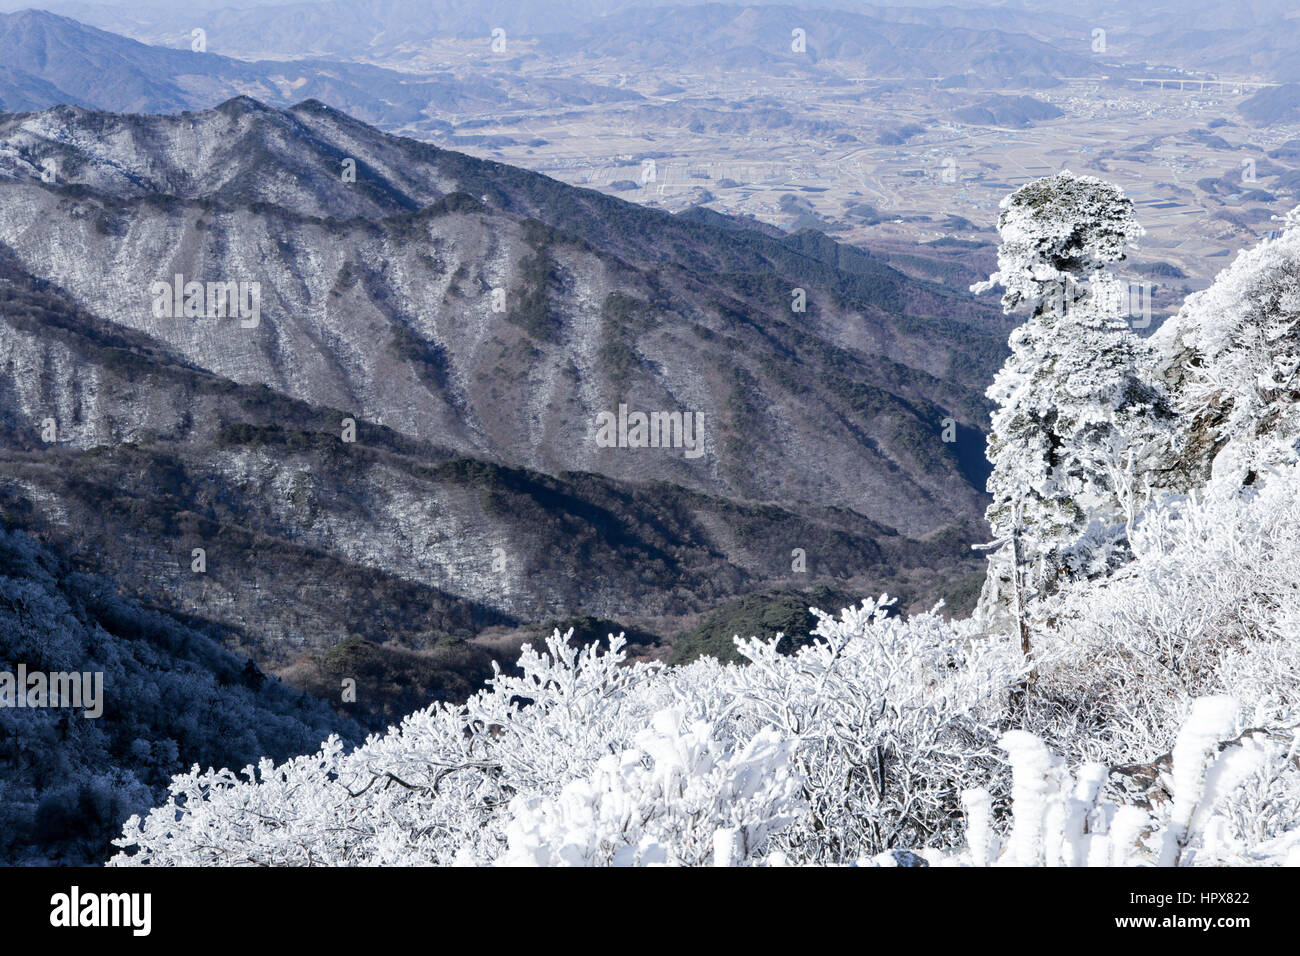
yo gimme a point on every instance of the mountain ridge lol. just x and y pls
(583, 301)
(474, 496)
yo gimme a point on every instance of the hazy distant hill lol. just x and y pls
(21, 91)
(1238, 45)
(1259, 37)
(1277, 104)
(90, 67)
(343, 28)
(759, 38)
(1008, 111)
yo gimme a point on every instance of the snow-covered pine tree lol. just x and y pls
(1079, 415)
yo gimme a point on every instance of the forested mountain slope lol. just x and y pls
(398, 445)
(170, 697)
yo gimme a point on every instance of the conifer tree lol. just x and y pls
(1079, 415)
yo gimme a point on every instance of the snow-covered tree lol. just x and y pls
(1233, 355)
(1078, 415)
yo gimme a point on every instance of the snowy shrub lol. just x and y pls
(1209, 605)
(433, 790)
(870, 742)
(895, 718)
(1060, 818)
(860, 742)
(678, 797)
(881, 741)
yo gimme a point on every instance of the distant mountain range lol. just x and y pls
(287, 53)
(48, 60)
(342, 28)
(325, 49)
(1238, 43)
(760, 39)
